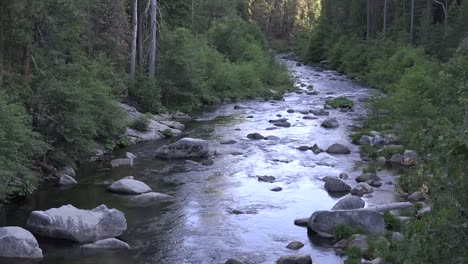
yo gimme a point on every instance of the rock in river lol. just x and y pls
(150, 198)
(184, 148)
(266, 178)
(70, 223)
(333, 184)
(109, 243)
(338, 149)
(330, 123)
(295, 259)
(129, 186)
(349, 202)
(324, 223)
(255, 136)
(367, 177)
(16, 242)
(295, 245)
(362, 188)
(66, 180)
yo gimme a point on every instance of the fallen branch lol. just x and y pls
(389, 207)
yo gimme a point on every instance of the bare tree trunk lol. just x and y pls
(385, 19)
(412, 23)
(26, 59)
(389, 207)
(140, 41)
(134, 41)
(193, 16)
(152, 60)
(368, 20)
(444, 5)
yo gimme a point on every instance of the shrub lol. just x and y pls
(344, 232)
(147, 93)
(340, 102)
(141, 123)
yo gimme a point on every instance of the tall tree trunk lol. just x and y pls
(152, 60)
(368, 20)
(134, 41)
(26, 59)
(193, 15)
(412, 23)
(140, 41)
(385, 18)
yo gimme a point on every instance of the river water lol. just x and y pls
(199, 226)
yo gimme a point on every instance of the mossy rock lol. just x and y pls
(340, 102)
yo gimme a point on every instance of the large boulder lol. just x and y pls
(16, 242)
(330, 123)
(109, 244)
(333, 184)
(129, 186)
(70, 223)
(338, 149)
(349, 202)
(324, 223)
(184, 148)
(66, 180)
(295, 259)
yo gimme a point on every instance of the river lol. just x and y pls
(199, 226)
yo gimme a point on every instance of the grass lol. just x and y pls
(389, 151)
(340, 102)
(141, 123)
(345, 232)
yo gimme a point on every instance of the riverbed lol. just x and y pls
(222, 211)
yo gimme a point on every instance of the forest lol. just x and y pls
(66, 64)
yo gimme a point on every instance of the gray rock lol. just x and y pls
(392, 139)
(16, 242)
(374, 183)
(396, 160)
(423, 211)
(362, 188)
(359, 241)
(121, 163)
(295, 245)
(241, 107)
(129, 186)
(276, 189)
(290, 111)
(349, 202)
(367, 177)
(130, 155)
(278, 120)
(68, 171)
(70, 223)
(66, 180)
(301, 222)
(266, 178)
(320, 112)
(343, 176)
(381, 160)
(233, 261)
(397, 236)
(295, 259)
(410, 157)
(324, 223)
(310, 117)
(150, 198)
(330, 123)
(375, 261)
(272, 138)
(109, 243)
(207, 162)
(316, 149)
(365, 140)
(338, 149)
(333, 184)
(184, 148)
(303, 148)
(417, 197)
(282, 124)
(173, 124)
(255, 136)
(228, 142)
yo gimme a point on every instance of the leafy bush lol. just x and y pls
(344, 232)
(147, 93)
(141, 123)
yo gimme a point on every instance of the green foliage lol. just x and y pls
(353, 255)
(392, 223)
(340, 102)
(280, 45)
(141, 123)
(371, 168)
(147, 93)
(389, 151)
(18, 145)
(344, 232)
(167, 133)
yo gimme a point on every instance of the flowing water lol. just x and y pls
(199, 226)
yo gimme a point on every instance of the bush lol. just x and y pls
(147, 93)
(344, 232)
(141, 123)
(340, 102)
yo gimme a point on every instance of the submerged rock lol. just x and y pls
(109, 244)
(70, 223)
(150, 198)
(295, 259)
(316, 149)
(255, 136)
(184, 148)
(16, 242)
(121, 162)
(295, 245)
(266, 178)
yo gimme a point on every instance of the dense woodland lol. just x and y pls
(416, 52)
(64, 65)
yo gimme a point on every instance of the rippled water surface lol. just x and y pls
(199, 227)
